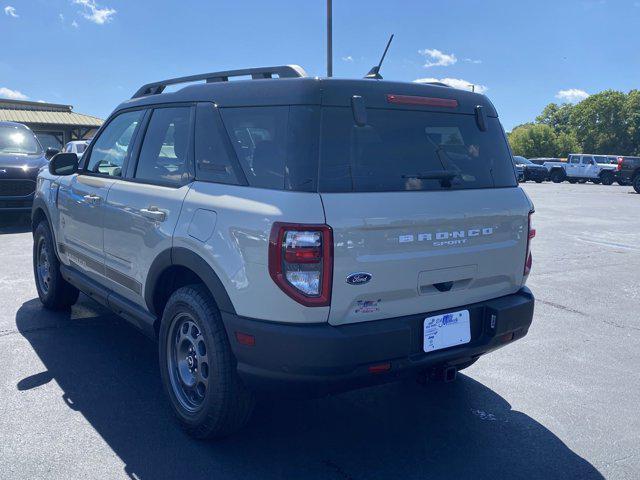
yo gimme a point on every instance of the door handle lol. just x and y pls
(153, 213)
(92, 199)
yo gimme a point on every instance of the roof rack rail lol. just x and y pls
(282, 71)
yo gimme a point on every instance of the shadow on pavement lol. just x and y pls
(108, 372)
(14, 222)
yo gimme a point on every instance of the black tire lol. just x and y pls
(636, 183)
(596, 181)
(538, 181)
(205, 392)
(572, 181)
(54, 292)
(557, 176)
(607, 178)
(622, 183)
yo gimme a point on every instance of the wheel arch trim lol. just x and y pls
(183, 257)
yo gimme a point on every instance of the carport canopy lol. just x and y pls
(50, 119)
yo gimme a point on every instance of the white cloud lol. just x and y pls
(572, 95)
(348, 58)
(471, 60)
(455, 83)
(74, 24)
(61, 17)
(94, 13)
(12, 94)
(11, 11)
(436, 58)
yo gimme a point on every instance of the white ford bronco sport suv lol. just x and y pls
(289, 233)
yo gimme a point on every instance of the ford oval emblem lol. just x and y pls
(359, 278)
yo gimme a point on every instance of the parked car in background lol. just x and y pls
(518, 165)
(21, 156)
(542, 160)
(76, 146)
(611, 160)
(581, 168)
(531, 171)
(629, 171)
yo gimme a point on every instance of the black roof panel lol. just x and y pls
(315, 91)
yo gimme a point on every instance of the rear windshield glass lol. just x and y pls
(404, 150)
(277, 147)
(14, 139)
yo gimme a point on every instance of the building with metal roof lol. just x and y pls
(53, 124)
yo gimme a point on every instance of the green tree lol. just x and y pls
(534, 140)
(632, 115)
(557, 117)
(566, 143)
(599, 123)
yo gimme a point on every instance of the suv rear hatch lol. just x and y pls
(425, 204)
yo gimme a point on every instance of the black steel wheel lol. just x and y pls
(557, 176)
(198, 368)
(607, 178)
(54, 291)
(188, 362)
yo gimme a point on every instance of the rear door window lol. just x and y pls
(164, 155)
(398, 150)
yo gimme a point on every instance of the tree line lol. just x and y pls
(605, 123)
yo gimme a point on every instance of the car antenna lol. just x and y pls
(374, 73)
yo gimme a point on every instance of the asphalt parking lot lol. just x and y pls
(80, 393)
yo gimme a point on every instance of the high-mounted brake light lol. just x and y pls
(301, 262)
(427, 101)
(529, 258)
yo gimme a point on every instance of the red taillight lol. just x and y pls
(529, 258)
(301, 262)
(427, 101)
(620, 160)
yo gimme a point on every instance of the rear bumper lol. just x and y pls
(324, 358)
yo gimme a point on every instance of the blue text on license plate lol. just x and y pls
(446, 330)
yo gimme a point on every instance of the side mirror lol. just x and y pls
(50, 153)
(63, 164)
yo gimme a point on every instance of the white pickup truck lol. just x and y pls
(581, 168)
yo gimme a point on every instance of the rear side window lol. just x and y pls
(397, 149)
(164, 154)
(277, 147)
(214, 162)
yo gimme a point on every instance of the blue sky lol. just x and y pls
(95, 54)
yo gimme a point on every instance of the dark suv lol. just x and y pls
(629, 171)
(21, 157)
